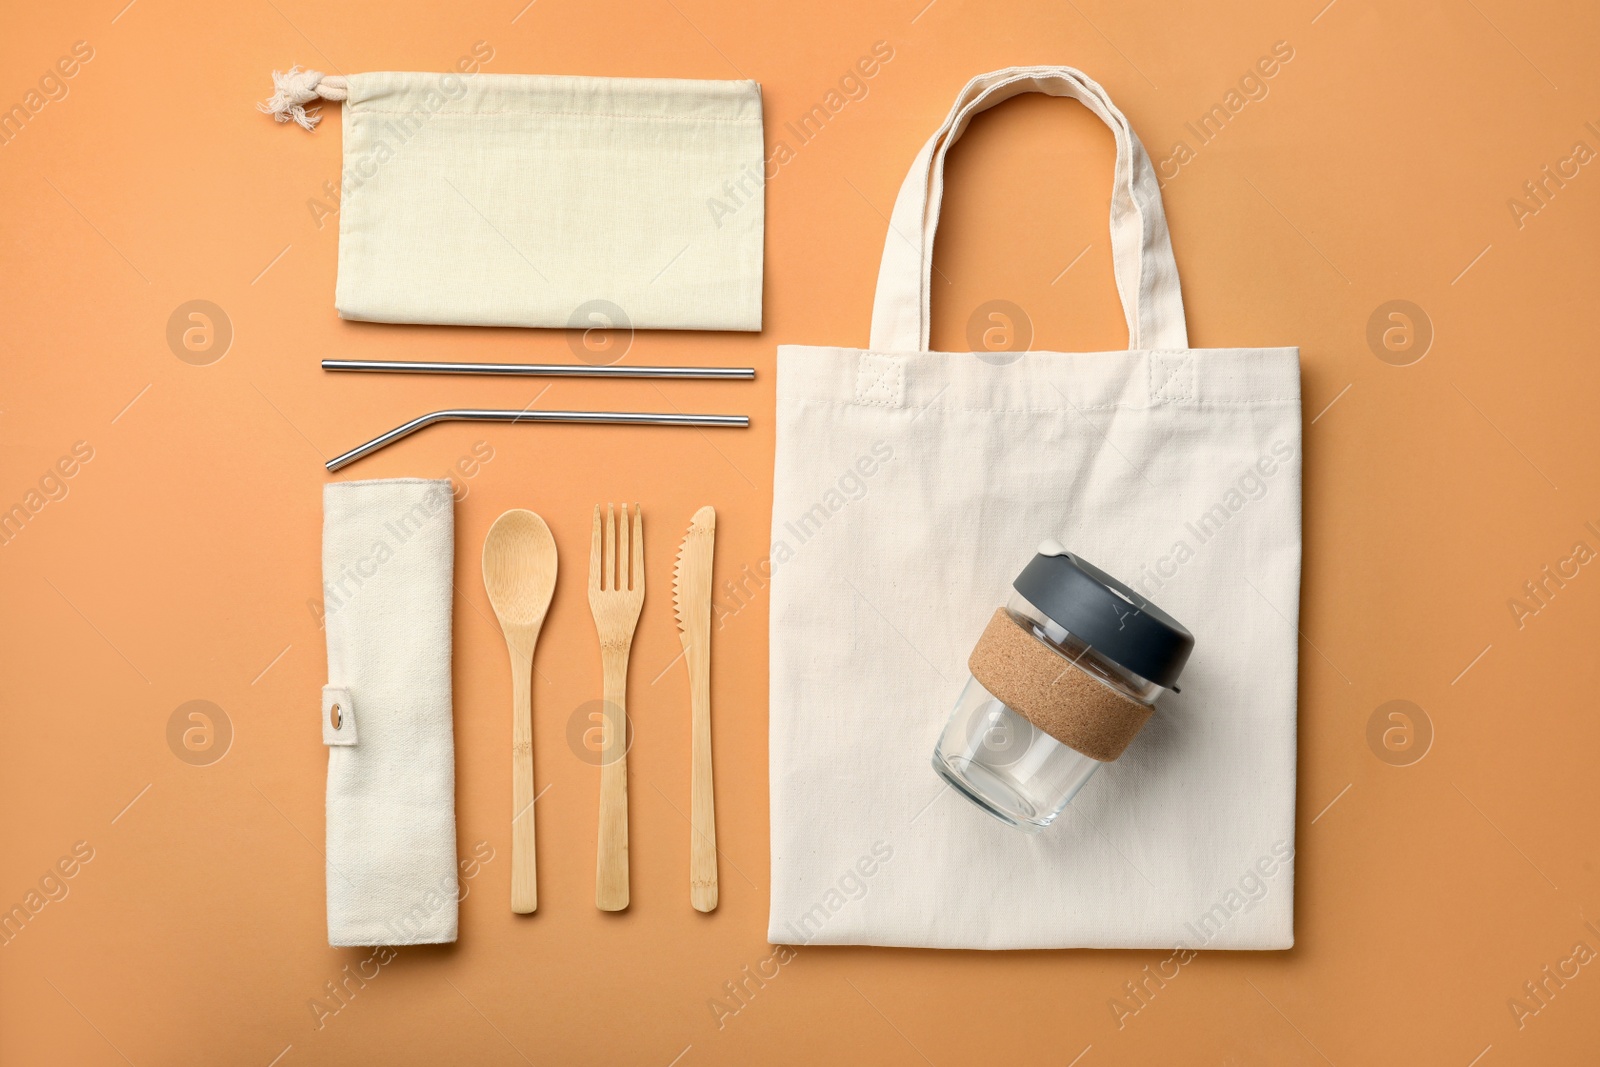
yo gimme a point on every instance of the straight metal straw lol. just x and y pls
(542, 370)
(609, 418)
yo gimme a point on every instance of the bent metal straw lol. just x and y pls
(607, 418)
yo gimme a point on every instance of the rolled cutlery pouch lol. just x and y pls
(912, 485)
(388, 550)
(484, 199)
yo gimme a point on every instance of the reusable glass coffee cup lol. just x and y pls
(1064, 676)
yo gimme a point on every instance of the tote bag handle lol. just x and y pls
(1147, 275)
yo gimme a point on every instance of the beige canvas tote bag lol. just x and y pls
(910, 488)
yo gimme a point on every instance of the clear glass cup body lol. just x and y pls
(1003, 763)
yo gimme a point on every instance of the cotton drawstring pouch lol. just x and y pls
(912, 485)
(388, 553)
(484, 199)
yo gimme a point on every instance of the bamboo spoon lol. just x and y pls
(615, 602)
(519, 573)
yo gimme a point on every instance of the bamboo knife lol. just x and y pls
(691, 596)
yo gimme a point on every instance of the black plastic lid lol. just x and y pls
(1112, 618)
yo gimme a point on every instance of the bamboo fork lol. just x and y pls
(615, 600)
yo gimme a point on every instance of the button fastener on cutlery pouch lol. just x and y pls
(338, 716)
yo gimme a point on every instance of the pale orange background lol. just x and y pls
(182, 561)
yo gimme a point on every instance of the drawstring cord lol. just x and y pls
(295, 88)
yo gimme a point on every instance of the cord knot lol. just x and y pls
(295, 88)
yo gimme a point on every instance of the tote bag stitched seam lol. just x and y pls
(816, 401)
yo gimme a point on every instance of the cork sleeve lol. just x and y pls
(1048, 690)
